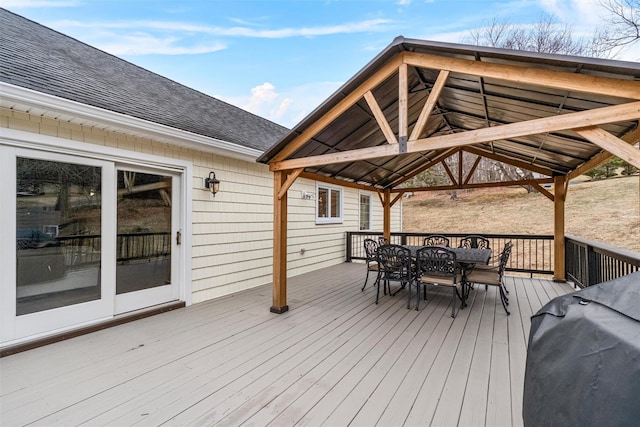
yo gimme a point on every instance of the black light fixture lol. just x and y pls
(212, 183)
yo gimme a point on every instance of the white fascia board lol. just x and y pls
(125, 123)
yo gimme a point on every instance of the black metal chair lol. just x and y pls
(474, 241)
(437, 266)
(371, 253)
(493, 277)
(395, 265)
(436, 240)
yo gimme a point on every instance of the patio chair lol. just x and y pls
(493, 277)
(370, 250)
(437, 266)
(395, 265)
(436, 240)
(474, 241)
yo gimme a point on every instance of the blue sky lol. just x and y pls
(279, 59)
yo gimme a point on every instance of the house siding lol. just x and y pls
(232, 237)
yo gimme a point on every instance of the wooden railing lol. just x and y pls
(589, 263)
(531, 254)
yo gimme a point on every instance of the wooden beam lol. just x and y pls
(291, 178)
(418, 128)
(279, 245)
(395, 199)
(473, 169)
(519, 183)
(560, 193)
(423, 168)
(380, 118)
(448, 171)
(350, 99)
(403, 104)
(611, 143)
(543, 191)
(335, 181)
(616, 113)
(565, 81)
(506, 160)
(631, 137)
(386, 227)
(460, 166)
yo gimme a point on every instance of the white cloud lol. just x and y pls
(286, 108)
(146, 44)
(240, 31)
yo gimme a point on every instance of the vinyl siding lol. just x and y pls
(232, 233)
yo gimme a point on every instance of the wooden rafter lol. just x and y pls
(611, 143)
(329, 180)
(423, 168)
(350, 99)
(521, 182)
(473, 169)
(627, 89)
(616, 113)
(418, 128)
(403, 104)
(631, 137)
(448, 171)
(380, 118)
(506, 160)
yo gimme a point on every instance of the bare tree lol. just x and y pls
(624, 22)
(546, 35)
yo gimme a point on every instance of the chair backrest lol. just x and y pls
(394, 262)
(436, 240)
(504, 258)
(383, 240)
(370, 249)
(436, 261)
(474, 241)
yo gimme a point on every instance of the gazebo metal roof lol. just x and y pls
(468, 96)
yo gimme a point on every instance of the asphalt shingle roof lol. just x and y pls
(38, 58)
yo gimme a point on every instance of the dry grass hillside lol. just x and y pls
(607, 211)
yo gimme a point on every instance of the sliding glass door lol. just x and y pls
(91, 239)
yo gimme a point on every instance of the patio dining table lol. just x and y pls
(467, 258)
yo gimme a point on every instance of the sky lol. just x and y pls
(280, 59)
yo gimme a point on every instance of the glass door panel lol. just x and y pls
(146, 222)
(58, 234)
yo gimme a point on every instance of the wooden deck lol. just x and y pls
(334, 359)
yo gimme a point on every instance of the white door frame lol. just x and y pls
(16, 139)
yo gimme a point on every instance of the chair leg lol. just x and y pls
(365, 280)
(504, 303)
(377, 289)
(453, 302)
(409, 293)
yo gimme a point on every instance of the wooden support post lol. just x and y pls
(560, 195)
(279, 244)
(386, 230)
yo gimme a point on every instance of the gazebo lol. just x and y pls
(419, 103)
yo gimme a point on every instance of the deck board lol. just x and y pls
(335, 358)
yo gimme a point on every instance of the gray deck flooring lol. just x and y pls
(334, 359)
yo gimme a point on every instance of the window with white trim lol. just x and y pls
(328, 204)
(365, 212)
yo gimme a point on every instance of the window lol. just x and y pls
(328, 204)
(365, 212)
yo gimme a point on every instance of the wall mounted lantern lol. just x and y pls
(212, 183)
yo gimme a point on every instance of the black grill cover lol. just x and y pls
(583, 359)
